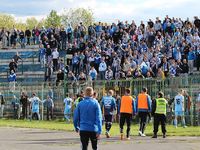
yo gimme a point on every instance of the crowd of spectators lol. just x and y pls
(123, 50)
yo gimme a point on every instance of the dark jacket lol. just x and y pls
(184, 68)
(28, 33)
(2, 100)
(24, 100)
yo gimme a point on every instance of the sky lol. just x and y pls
(105, 10)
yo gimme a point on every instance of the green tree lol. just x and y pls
(20, 25)
(6, 20)
(75, 16)
(41, 23)
(31, 22)
(53, 19)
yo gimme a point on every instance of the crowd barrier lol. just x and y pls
(169, 86)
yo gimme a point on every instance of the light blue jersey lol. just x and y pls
(68, 105)
(179, 105)
(35, 104)
(109, 105)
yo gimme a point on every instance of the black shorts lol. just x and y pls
(108, 118)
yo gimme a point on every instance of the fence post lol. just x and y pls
(65, 82)
(42, 100)
(193, 102)
(22, 67)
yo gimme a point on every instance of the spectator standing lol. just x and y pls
(93, 73)
(69, 32)
(16, 58)
(13, 38)
(2, 104)
(55, 56)
(34, 35)
(24, 102)
(48, 72)
(173, 68)
(191, 58)
(48, 54)
(22, 39)
(60, 77)
(184, 67)
(4, 37)
(12, 79)
(75, 64)
(198, 58)
(165, 66)
(102, 69)
(28, 36)
(63, 36)
(16, 107)
(13, 66)
(50, 106)
(109, 74)
(42, 55)
(197, 22)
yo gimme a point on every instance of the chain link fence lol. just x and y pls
(169, 86)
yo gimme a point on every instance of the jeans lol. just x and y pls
(55, 64)
(42, 60)
(12, 86)
(64, 43)
(191, 65)
(102, 75)
(75, 69)
(24, 111)
(49, 113)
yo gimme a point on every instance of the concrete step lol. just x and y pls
(27, 62)
(19, 49)
(25, 73)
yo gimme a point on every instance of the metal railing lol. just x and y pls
(169, 86)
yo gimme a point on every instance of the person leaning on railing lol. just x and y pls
(13, 65)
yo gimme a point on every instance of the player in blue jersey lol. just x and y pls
(109, 106)
(35, 106)
(68, 102)
(179, 108)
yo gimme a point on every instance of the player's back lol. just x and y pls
(108, 104)
(179, 103)
(35, 104)
(68, 102)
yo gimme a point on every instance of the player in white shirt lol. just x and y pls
(68, 107)
(179, 108)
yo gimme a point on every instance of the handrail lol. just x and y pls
(22, 63)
